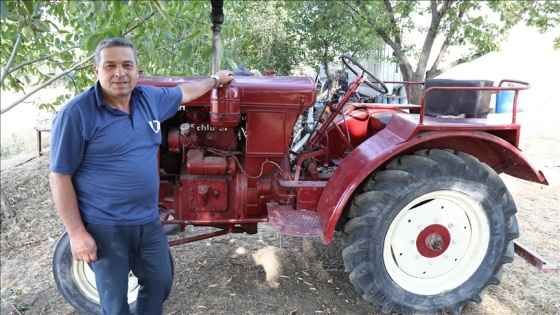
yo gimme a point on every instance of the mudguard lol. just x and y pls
(402, 137)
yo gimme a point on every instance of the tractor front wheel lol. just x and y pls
(75, 280)
(429, 233)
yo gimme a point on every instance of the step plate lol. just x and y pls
(303, 223)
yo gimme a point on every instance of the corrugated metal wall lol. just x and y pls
(379, 66)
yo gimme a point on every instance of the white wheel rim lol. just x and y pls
(464, 233)
(84, 278)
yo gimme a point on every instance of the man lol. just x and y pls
(104, 177)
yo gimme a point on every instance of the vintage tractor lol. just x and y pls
(413, 190)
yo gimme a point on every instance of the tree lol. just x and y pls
(44, 41)
(465, 24)
(53, 41)
(326, 29)
(265, 43)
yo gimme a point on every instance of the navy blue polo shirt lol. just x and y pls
(112, 155)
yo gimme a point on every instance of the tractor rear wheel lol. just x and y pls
(429, 233)
(75, 280)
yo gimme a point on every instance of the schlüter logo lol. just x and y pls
(207, 127)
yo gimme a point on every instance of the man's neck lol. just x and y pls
(121, 103)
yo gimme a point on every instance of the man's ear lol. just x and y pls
(96, 70)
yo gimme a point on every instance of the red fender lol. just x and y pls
(401, 137)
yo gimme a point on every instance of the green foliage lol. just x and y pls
(265, 43)
(54, 40)
(324, 30)
(46, 42)
(477, 27)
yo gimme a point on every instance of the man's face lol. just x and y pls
(117, 71)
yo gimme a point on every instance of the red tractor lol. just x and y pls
(414, 190)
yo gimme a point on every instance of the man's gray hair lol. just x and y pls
(114, 42)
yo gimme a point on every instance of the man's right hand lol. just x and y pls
(82, 244)
(84, 247)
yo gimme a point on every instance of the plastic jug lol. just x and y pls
(504, 101)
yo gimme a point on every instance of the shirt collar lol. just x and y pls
(100, 101)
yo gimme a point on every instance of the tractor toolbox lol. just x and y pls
(459, 101)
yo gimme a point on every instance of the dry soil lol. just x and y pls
(271, 273)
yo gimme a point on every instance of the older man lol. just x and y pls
(104, 176)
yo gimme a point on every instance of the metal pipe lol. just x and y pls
(217, 18)
(200, 237)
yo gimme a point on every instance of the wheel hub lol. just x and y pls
(433, 241)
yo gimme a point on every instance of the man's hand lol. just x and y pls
(82, 244)
(225, 76)
(194, 90)
(84, 247)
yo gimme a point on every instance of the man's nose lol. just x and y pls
(119, 71)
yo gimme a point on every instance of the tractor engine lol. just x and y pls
(198, 166)
(222, 155)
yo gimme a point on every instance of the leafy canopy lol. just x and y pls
(53, 41)
(47, 41)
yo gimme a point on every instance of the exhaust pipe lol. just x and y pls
(217, 18)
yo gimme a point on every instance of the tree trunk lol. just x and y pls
(416, 94)
(415, 91)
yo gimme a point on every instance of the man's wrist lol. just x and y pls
(217, 78)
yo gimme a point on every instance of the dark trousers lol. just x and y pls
(142, 249)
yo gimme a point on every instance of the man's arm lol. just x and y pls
(82, 243)
(194, 90)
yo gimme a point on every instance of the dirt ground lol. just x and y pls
(271, 273)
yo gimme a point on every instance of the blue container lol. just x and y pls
(504, 101)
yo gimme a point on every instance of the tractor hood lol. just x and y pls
(268, 91)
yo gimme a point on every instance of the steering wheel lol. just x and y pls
(378, 85)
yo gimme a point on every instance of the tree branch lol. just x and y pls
(443, 50)
(455, 63)
(395, 45)
(430, 36)
(11, 60)
(507, 26)
(132, 28)
(435, 71)
(42, 58)
(397, 35)
(15, 50)
(37, 88)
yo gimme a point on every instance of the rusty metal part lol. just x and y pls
(198, 164)
(302, 223)
(533, 258)
(200, 237)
